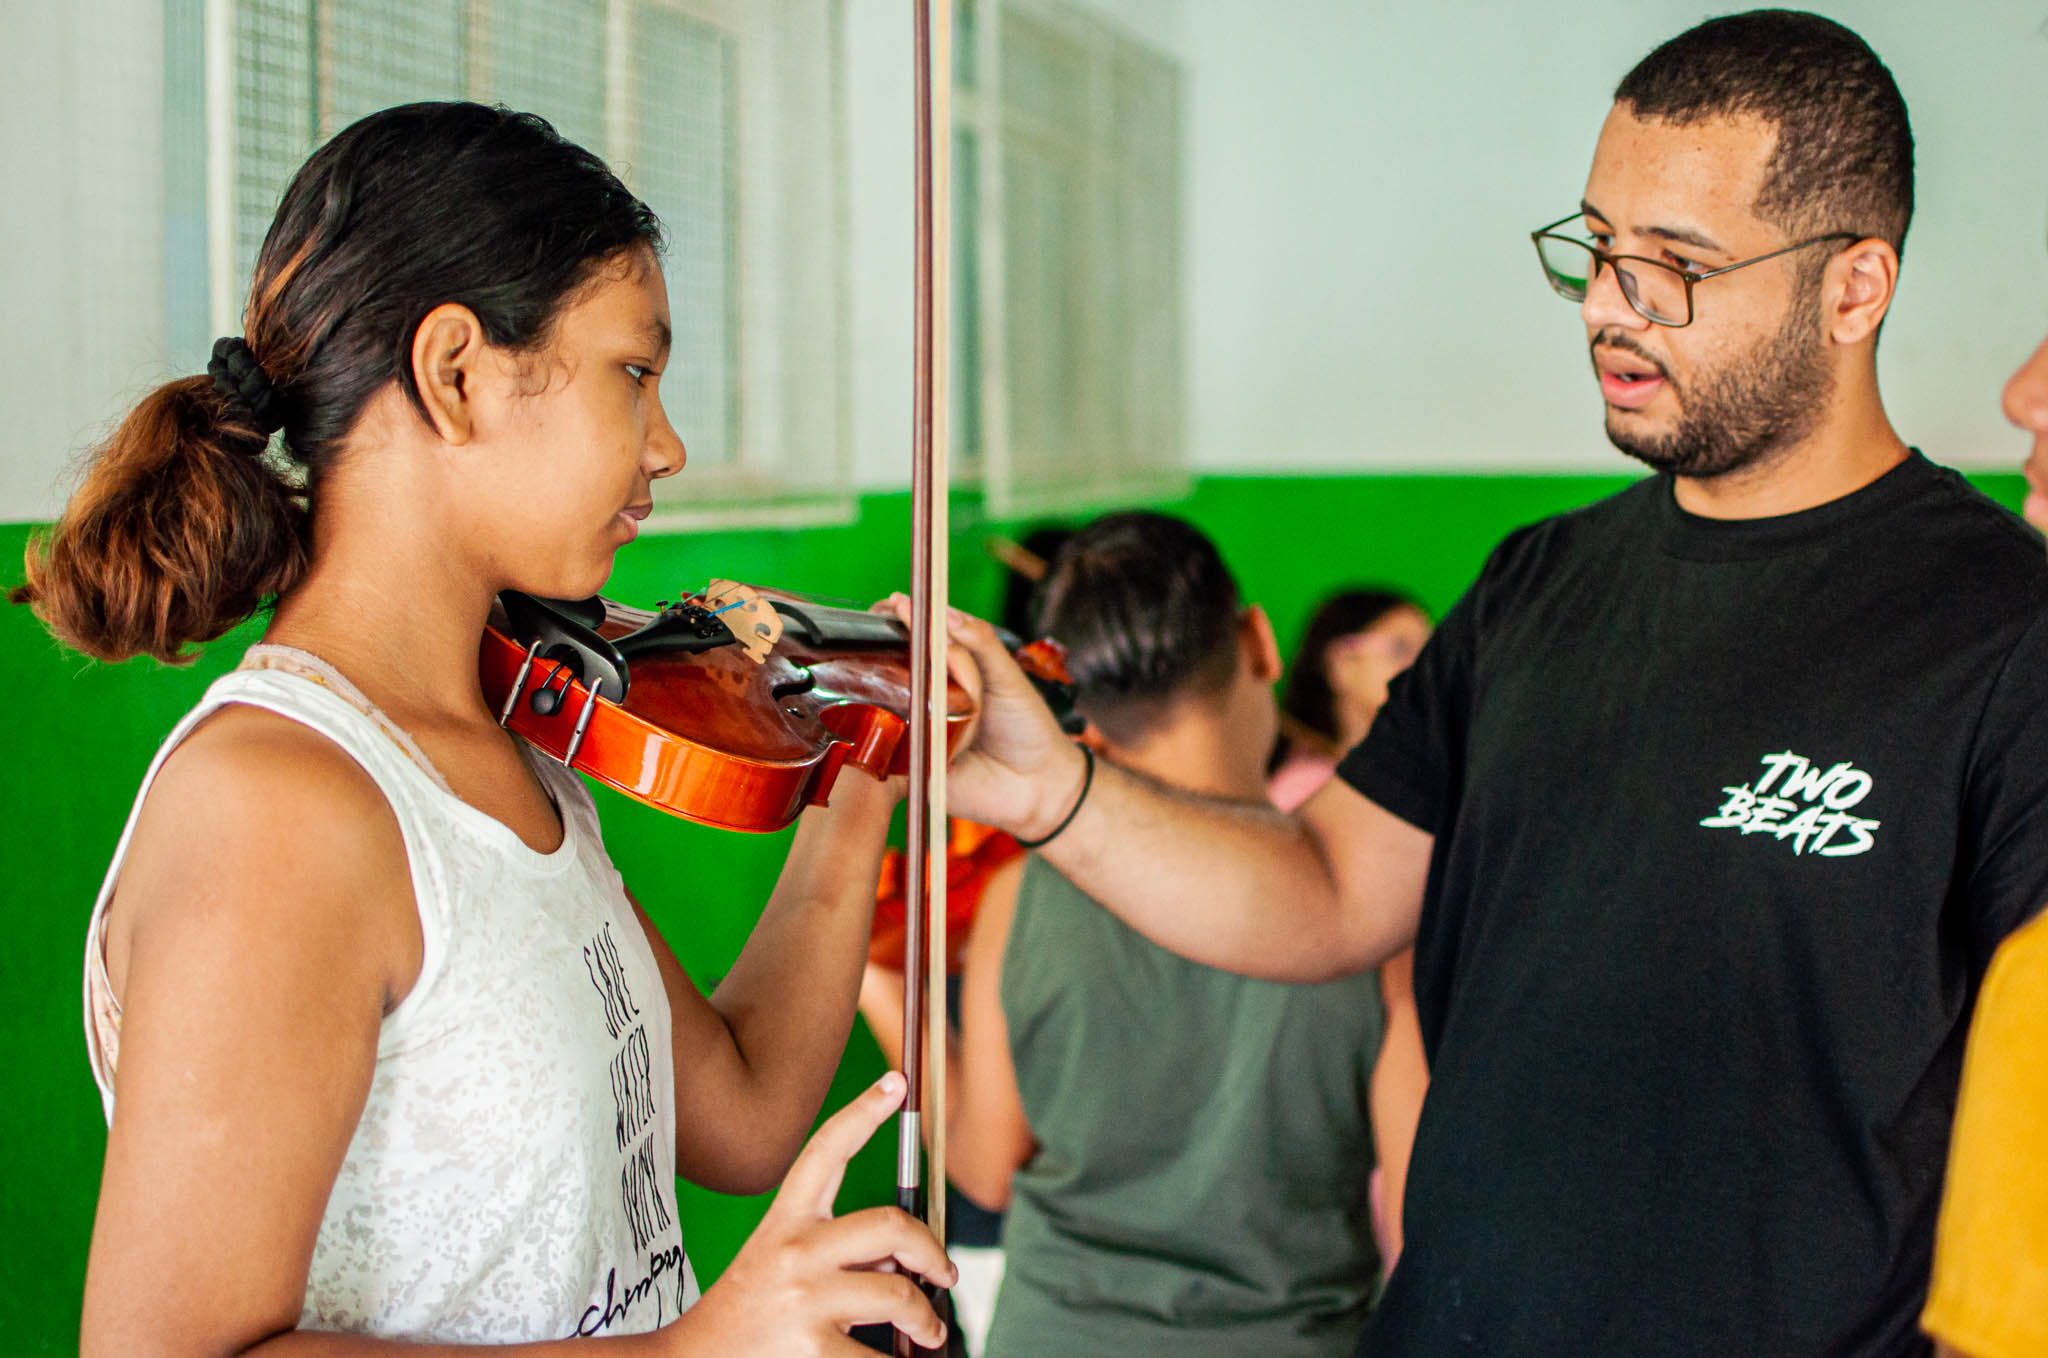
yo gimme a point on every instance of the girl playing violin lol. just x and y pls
(388, 1052)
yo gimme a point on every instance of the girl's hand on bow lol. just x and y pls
(805, 1278)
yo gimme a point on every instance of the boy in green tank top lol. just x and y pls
(1184, 1153)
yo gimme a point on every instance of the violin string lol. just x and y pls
(850, 604)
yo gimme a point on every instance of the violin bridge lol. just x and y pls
(753, 621)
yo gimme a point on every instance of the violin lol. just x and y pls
(736, 708)
(974, 853)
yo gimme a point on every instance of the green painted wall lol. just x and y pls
(80, 735)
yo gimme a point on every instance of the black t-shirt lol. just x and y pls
(1729, 818)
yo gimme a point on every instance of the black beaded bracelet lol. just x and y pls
(1087, 779)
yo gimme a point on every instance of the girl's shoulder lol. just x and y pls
(249, 771)
(263, 835)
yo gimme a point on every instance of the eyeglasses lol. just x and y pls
(1658, 292)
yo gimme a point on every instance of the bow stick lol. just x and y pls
(924, 996)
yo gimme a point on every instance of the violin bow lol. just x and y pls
(924, 979)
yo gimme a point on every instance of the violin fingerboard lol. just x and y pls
(823, 625)
(826, 627)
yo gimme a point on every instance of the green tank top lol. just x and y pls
(1200, 1184)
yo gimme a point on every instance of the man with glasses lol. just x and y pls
(1707, 805)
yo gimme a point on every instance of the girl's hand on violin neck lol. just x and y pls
(1018, 771)
(860, 805)
(803, 1279)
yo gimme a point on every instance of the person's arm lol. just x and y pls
(753, 1061)
(1326, 892)
(1988, 1290)
(1400, 1078)
(267, 924)
(987, 1136)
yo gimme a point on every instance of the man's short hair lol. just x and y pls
(1148, 613)
(1844, 159)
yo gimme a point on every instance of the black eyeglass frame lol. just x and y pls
(1687, 276)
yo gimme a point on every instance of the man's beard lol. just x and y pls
(1740, 415)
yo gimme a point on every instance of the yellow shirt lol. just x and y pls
(1990, 1292)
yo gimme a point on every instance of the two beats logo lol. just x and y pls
(1797, 802)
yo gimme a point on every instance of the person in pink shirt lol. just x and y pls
(1356, 642)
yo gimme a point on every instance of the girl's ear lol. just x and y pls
(446, 351)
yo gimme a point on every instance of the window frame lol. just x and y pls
(1114, 468)
(749, 490)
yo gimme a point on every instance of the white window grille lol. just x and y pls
(724, 116)
(1069, 345)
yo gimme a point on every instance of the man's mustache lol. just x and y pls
(1622, 340)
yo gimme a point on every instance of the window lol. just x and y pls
(1068, 341)
(724, 115)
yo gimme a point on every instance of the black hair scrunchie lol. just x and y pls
(240, 378)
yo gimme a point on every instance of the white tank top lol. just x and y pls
(513, 1175)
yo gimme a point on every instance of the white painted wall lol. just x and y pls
(879, 176)
(1363, 295)
(1361, 179)
(81, 233)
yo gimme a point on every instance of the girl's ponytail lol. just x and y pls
(178, 532)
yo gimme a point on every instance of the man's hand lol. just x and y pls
(1237, 885)
(1018, 772)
